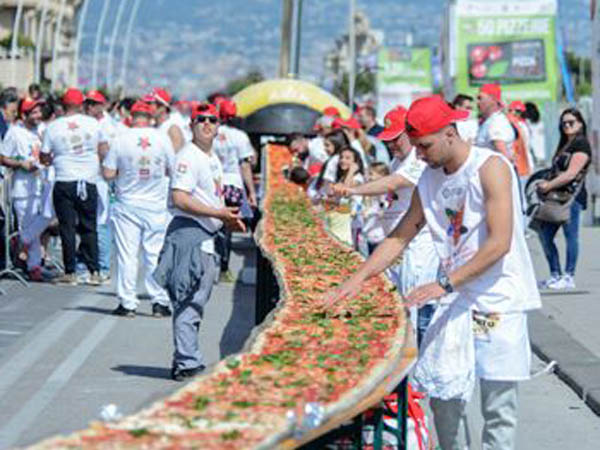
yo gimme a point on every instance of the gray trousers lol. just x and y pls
(499, 410)
(187, 316)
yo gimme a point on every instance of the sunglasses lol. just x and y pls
(569, 123)
(203, 119)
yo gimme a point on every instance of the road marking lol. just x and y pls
(10, 333)
(12, 430)
(13, 368)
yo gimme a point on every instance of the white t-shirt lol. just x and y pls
(199, 174)
(232, 146)
(141, 156)
(109, 128)
(173, 120)
(316, 151)
(74, 142)
(468, 129)
(496, 128)
(184, 124)
(23, 144)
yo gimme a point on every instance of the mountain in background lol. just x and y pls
(195, 47)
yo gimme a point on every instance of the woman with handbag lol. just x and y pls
(566, 182)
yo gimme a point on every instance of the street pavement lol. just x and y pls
(63, 356)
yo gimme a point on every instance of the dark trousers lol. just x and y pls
(76, 213)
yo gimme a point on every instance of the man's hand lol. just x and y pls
(422, 294)
(332, 300)
(232, 219)
(340, 190)
(543, 187)
(28, 166)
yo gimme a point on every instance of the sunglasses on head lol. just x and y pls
(202, 119)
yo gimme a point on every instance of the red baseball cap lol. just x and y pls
(95, 96)
(227, 108)
(205, 109)
(73, 97)
(28, 104)
(428, 115)
(161, 96)
(493, 90)
(142, 107)
(395, 124)
(331, 111)
(517, 105)
(351, 123)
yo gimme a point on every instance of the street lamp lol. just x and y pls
(128, 32)
(111, 45)
(98, 43)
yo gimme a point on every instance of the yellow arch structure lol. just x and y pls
(275, 92)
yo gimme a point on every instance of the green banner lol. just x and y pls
(402, 75)
(517, 50)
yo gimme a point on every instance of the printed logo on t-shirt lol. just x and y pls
(144, 142)
(144, 169)
(456, 228)
(72, 126)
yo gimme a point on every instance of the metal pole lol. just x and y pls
(295, 40)
(61, 15)
(39, 42)
(128, 33)
(284, 51)
(113, 41)
(351, 55)
(15, 42)
(98, 43)
(78, 39)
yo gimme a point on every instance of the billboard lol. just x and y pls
(506, 42)
(403, 74)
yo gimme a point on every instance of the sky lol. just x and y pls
(196, 46)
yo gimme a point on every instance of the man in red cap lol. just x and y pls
(95, 106)
(21, 151)
(198, 214)
(420, 262)
(138, 161)
(495, 131)
(166, 121)
(236, 153)
(74, 145)
(468, 198)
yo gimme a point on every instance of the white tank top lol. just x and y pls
(454, 208)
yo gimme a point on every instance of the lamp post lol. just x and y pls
(113, 41)
(128, 32)
(98, 42)
(39, 42)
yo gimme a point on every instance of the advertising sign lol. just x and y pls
(403, 75)
(507, 42)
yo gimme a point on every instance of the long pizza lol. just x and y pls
(299, 356)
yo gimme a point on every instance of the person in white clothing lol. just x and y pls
(495, 131)
(139, 161)
(187, 265)
(95, 106)
(469, 127)
(21, 152)
(468, 198)
(74, 145)
(234, 150)
(166, 121)
(420, 263)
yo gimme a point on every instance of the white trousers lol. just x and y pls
(32, 224)
(499, 400)
(134, 229)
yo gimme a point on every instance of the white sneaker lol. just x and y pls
(545, 284)
(568, 282)
(556, 284)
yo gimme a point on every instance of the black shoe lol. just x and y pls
(160, 310)
(123, 312)
(182, 374)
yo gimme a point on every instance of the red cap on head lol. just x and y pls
(493, 90)
(395, 124)
(161, 96)
(351, 123)
(517, 105)
(430, 114)
(142, 107)
(73, 97)
(227, 108)
(331, 111)
(205, 109)
(95, 96)
(28, 104)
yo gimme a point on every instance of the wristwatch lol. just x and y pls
(444, 282)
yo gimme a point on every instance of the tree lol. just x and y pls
(22, 41)
(581, 69)
(236, 85)
(364, 84)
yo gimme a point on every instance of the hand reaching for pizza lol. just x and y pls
(423, 294)
(333, 301)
